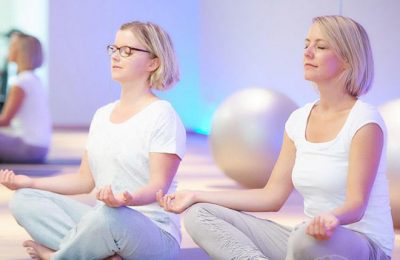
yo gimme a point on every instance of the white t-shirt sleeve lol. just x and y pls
(168, 134)
(23, 81)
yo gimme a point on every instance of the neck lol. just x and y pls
(133, 94)
(22, 69)
(334, 97)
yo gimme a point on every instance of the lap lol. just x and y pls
(122, 230)
(343, 244)
(273, 238)
(128, 232)
(269, 237)
(40, 201)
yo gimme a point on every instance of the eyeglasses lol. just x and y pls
(124, 51)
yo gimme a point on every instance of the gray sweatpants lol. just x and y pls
(15, 150)
(228, 234)
(78, 231)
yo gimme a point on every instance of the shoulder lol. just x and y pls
(162, 109)
(101, 116)
(107, 107)
(366, 109)
(105, 110)
(301, 113)
(29, 74)
(163, 115)
(24, 79)
(366, 113)
(163, 105)
(296, 119)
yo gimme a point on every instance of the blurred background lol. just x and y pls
(223, 46)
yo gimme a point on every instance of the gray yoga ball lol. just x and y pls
(247, 132)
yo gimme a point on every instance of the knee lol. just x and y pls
(19, 204)
(195, 216)
(192, 214)
(301, 245)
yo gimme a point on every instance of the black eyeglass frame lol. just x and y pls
(111, 49)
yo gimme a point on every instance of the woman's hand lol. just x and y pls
(322, 227)
(118, 200)
(176, 202)
(15, 182)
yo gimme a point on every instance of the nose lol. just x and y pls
(115, 56)
(309, 52)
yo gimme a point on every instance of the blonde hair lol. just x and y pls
(158, 43)
(29, 52)
(351, 43)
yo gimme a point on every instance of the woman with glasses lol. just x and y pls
(333, 153)
(134, 148)
(25, 122)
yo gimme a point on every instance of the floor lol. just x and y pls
(197, 171)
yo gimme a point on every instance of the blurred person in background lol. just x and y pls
(25, 122)
(4, 73)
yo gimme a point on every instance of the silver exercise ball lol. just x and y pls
(390, 112)
(247, 132)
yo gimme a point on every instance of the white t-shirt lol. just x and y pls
(119, 153)
(321, 169)
(32, 122)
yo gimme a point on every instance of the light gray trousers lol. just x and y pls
(228, 234)
(78, 231)
(15, 150)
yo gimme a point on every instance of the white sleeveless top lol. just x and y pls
(321, 169)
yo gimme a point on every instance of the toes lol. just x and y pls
(28, 243)
(32, 253)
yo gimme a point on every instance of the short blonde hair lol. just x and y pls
(351, 43)
(29, 51)
(158, 43)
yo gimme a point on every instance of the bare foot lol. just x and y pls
(37, 251)
(114, 257)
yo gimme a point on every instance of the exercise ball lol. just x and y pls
(247, 132)
(390, 112)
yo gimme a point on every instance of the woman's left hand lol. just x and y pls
(322, 226)
(107, 196)
(176, 202)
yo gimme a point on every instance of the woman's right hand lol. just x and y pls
(14, 182)
(176, 202)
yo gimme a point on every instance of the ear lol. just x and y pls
(154, 64)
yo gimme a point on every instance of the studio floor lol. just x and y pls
(197, 171)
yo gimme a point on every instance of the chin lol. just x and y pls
(115, 76)
(311, 77)
(307, 77)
